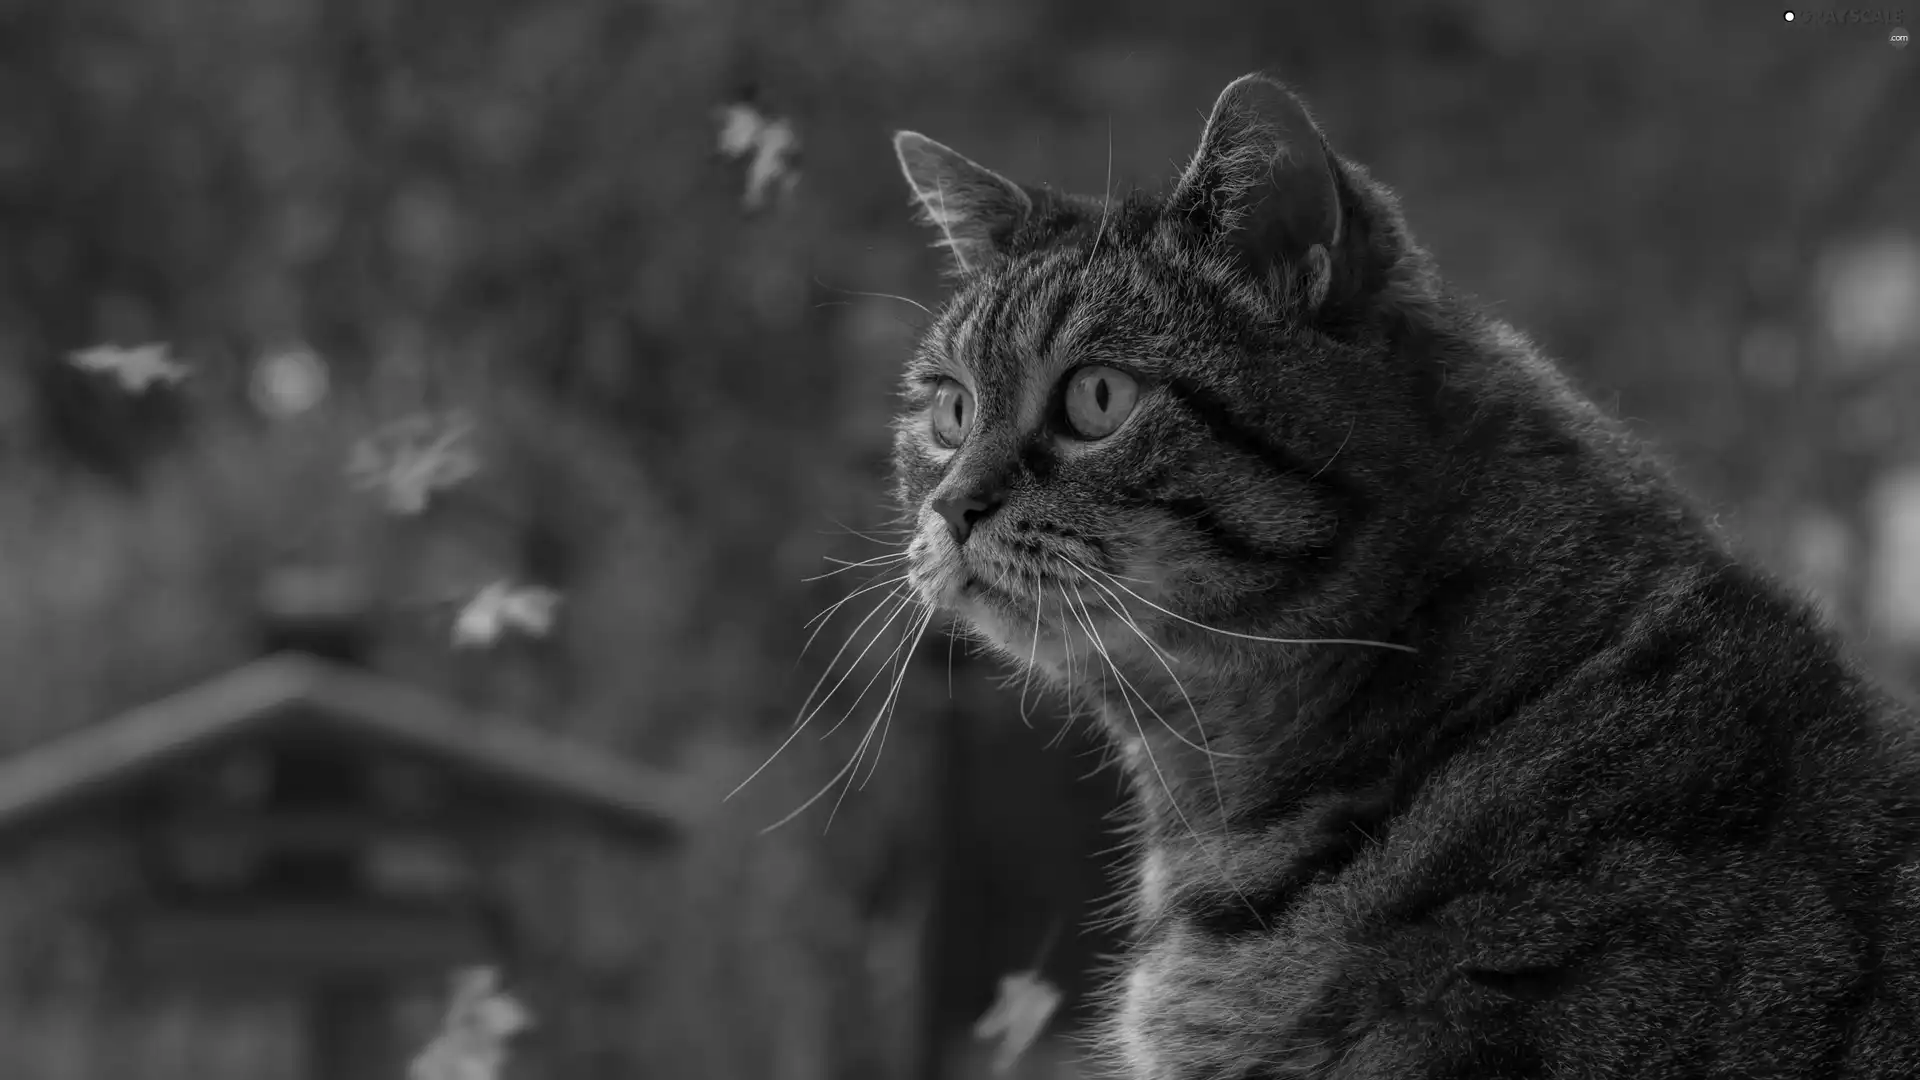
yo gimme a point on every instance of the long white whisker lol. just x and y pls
(892, 594)
(821, 619)
(1206, 744)
(1257, 637)
(1162, 656)
(844, 565)
(892, 703)
(814, 798)
(801, 724)
(1066, 641)
(1336, 450)
(807, 715)
(875, 295)
(1106, 202)
(853, 764)
(1107, 655)
(1146, 748)
(881, 718)
(899, 530)
(1033, 654)
(910, 602)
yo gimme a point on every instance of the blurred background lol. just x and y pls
(524, 362)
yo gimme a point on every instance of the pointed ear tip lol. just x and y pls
(1263, 83)
(912, 143)
(1261, 94)
(1259, 77)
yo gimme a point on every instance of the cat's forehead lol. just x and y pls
(1014, 332)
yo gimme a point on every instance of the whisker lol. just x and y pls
(859, 758)
(1033, 655)
(875, 677)
(881, 720)
(845, 565)
(900, 531)
(807, 715)
(801, 724)
(852, 766)
(1163, 657)
(827, 612)
(892, 594)
(1066, 641)
(1336, 450)
(1060, 735)
(820, 621)
(1206, 744)
(1000, 578)
(889, 557)
(814, 798)
(1106, 202)
(1257, 637)
(1107, 655)
(1146, 748)
(891, 705)
(876, 295)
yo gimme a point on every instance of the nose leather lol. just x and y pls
(964, 510)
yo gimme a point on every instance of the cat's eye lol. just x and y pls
(952, 413)
(1099, 400)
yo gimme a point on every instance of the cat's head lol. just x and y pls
(1189, 398)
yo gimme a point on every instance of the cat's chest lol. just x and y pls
(1275, 932)
(1181, 979)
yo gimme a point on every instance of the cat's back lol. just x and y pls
(1691, 850)
(1699, 850)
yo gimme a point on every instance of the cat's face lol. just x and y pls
(1059, 452)
(1126, 414)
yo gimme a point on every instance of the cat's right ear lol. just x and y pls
(975, 208)
(1266, 185)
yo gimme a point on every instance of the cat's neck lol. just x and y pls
(1220, 732)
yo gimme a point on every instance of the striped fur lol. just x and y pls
(1601, 800)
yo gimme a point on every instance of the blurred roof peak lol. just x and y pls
(294, 690)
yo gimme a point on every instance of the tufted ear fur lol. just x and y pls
(1266, 183)
(975, 208)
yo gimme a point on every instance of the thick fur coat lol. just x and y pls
(1462, 745)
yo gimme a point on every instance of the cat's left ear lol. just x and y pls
(976, 209)
(1266, 183)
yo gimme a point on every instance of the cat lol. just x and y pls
(1461, 743)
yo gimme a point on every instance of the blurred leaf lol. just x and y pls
(472, 1041)
(501, 607)
(411, 458)
(770, 146)
(136, 368)
(1017, 1017)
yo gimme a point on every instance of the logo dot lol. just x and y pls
(1789, 16)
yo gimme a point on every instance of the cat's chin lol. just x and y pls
(996, 618)
(1030, 639)
(1025, 630)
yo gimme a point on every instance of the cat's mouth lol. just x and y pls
(1034, 599)
(1043, 620)
(1026, 592)
(1022, 587)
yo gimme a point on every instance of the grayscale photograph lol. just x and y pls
(959, 540)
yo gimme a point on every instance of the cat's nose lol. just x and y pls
(965, 510)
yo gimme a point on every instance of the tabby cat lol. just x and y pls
(1462, 745)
